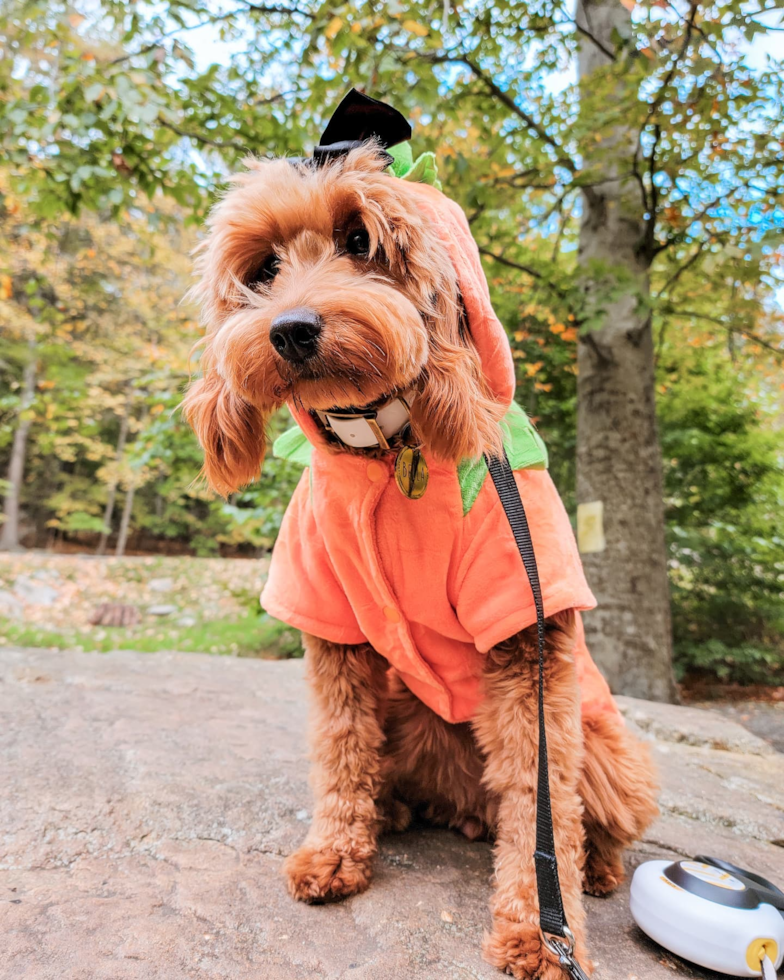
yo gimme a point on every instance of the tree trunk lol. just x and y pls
(125, 520)
(619, 471)
(112, 488)
(9, 531)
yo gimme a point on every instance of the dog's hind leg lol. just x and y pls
(431, 767)
(618, 788)
(348, 685)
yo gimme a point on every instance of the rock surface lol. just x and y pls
(149, 800)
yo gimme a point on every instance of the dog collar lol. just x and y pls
(369, 428)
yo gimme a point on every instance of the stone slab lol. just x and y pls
(149, 800)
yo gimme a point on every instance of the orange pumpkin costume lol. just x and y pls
(432, 584)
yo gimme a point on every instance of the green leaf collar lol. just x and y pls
(522, 442)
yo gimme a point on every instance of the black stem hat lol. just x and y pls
(356, 120)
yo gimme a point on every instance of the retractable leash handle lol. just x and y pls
(556, 934)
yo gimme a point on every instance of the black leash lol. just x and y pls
(556, 934)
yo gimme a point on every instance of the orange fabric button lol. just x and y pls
(392, 614)
(375, 472)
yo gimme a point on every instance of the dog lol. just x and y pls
(357, 296)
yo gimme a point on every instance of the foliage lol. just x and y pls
(105, 101)
(212, 604)
(98, 303)
(117, 129)
(725, 493)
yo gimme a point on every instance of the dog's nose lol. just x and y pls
(294, 334)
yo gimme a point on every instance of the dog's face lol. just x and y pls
(327, 287)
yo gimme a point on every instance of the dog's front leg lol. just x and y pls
(349, 690)
(506, 727)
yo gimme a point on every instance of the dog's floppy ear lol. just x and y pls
(455, 413)
(231, 432)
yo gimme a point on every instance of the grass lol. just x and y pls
(250, 635)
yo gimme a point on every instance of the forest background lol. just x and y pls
(118, 126)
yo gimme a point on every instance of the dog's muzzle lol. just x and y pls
(369, 428)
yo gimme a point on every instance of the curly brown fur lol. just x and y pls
(391, 319)
(618, 787)
(432, 767)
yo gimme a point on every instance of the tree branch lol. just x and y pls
(681, 269)
(587, 30)
(742, 331)
(725, 196)
(214, 19)
(659, 98)
(202, 138)
(513, 107)
(533, 273)
(653, 203)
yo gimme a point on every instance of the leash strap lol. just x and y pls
(556, 934)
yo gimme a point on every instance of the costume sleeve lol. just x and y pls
(302, 588)
(494, 599)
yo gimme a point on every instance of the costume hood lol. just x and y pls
(359, 118)
(488, 334)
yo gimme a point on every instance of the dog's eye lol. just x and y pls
(266, 272)
(358, 243)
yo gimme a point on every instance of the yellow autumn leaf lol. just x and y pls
(356, 28)
(531, 369)
(570, 334)
(6, 287)
(415, 28)
(333, 27)
(557, 328)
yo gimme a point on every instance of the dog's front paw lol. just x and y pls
(517, 949)
(321, 874)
